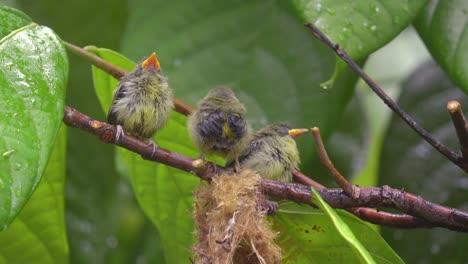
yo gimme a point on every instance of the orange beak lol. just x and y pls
(295, 133)
(151, 62)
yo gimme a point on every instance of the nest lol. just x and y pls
(231, 226)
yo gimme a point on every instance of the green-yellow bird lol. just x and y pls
(219, 124)
(142, 102)
(272, 152)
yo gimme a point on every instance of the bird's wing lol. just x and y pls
(119, 94)
(237, 126)
(211, 127)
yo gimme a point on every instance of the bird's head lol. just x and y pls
(284, 130)
(222, 93)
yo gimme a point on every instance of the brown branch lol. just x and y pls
(97, 61)
(435, 215)
(461, 127)
(439, 146)
(117, 73)
(106, 133)
(348, 188)
(370, 197)
(369, 214)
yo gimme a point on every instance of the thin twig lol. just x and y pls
(444, 150)
(347, 187)
(461, 126)
(117, 73)
(370, 197)
(104, 65)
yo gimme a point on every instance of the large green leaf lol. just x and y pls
(360, 27)
(164, 193)
(444, 28)
(96, 204)
(258, 48)
(38, 235)
(409, 163)
(33, 76)
(308, 236)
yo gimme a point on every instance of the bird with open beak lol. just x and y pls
(142, 102)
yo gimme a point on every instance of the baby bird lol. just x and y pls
(272, 152)
(142, 102)
(219, 124)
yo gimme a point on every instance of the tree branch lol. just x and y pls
(370, 197)
(435, 215)
(461, 127)
(439, 146)
(369, 214)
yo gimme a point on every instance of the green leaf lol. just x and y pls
(343, 229)
(38, 234)
(308, 236)
(164, 193)
(93, 190)
(360, 27)
(11, 19)
(33, 76)
(411, 164)
(443, 25)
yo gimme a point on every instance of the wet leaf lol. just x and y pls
(38, 234)
(33, 76)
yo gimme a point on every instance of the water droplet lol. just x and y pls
(365, 24)
(8, 153)
(112, 241)
(86, 246)
(377, 9)
(5, 226)
(327, 85)
(435, 249)
(177, 62)
(373, 27)
(18, 165)
(318, 7)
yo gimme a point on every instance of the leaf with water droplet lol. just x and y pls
(41, 223)
(33, 76)
(12, 19)
(373, 23)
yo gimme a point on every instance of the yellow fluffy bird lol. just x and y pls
(272, 152)
(219, 124)
(142, 102)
